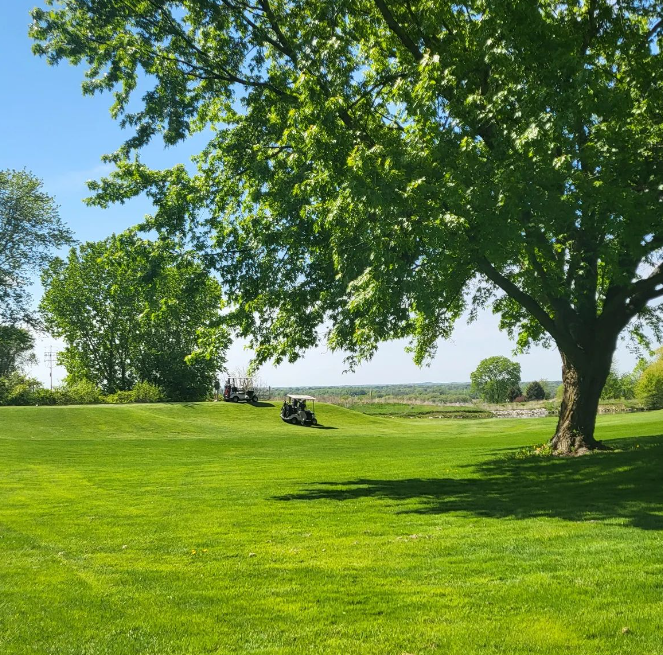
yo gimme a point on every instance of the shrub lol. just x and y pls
(513, 393)
(649, 388)
(21, 394)
(43, 396)
(120, 397)
(17, 389)
(520, 399)
(535, 391)
(79, 393)
(145, 392)
(559, 394)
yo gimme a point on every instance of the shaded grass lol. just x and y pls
(218, 529)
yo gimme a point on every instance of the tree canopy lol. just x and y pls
(30, 229)
(381, 167)
(16, 346)
(535, 391)
(131, 310)
(494, 377)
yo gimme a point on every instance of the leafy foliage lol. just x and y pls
(30, 229)
(379, 166)
(143, 392)
(513, 393)
(494, 377)
(620, 386)
(649, 388)
(535, 391)
(82, 392)
(16, 346)
(17, 389)
(131, 311)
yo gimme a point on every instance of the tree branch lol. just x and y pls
(655, 28)
(627, 302)
(398, 30)
(564, 341)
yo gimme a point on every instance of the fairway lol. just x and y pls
(216, 528)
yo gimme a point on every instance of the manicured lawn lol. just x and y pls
(218, 529)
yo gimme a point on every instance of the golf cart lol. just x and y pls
(237, 389)
(294, 410)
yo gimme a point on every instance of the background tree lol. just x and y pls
(535, 391)
(494, 377)
(620, 385)
(30, 229)
(513, 393)
(131, 310)
(649, 388)
(16, 346)
(380, 166)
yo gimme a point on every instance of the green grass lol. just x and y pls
(407, 410)
(216, 528)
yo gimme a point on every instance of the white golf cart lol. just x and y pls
(237, 389)
(296, 412)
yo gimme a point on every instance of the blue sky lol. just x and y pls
(49, 128)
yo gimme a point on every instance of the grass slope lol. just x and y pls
(216, 528)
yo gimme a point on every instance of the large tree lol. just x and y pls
(30, 229)
(132, 310)
(375, 167)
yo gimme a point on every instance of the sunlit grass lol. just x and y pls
(216, 528)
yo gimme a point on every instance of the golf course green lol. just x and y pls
(216, 528)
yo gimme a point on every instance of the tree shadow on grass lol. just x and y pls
(626, 484)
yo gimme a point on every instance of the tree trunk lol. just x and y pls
(582, 391)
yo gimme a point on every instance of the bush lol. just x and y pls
(17, 389)
(21, 394)
(559, 394)
(120, 397)
(43, 396)
(535, 391)
(79, 393)
(513, 393)
(649, 389)
(145, 392)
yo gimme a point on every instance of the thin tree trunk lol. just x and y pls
(577, 415)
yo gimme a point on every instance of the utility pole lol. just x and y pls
(50, 357)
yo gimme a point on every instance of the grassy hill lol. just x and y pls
(216, 528)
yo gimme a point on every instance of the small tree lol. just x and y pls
(493, 378)
(535, 391)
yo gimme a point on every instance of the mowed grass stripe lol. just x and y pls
(216, 528)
